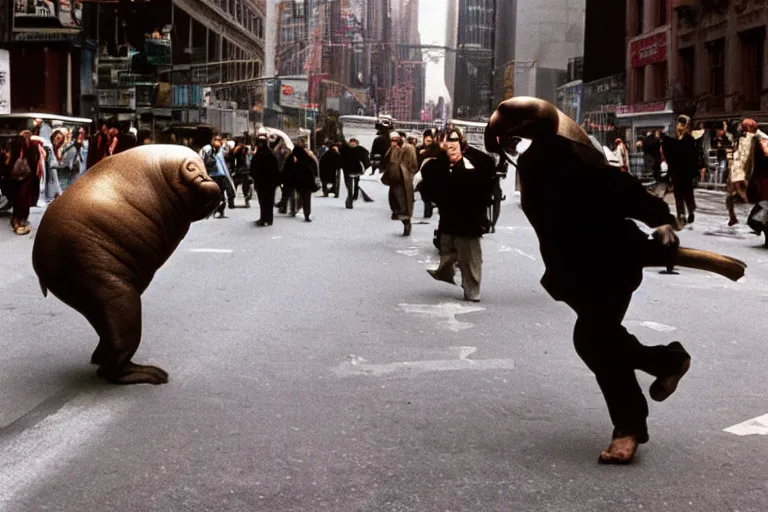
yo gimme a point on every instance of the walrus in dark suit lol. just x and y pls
(582, 209)
(100, 243)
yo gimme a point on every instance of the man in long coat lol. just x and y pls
(400, 165)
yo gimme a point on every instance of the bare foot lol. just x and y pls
(621, 451)
(133, 374)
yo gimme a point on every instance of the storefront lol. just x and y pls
(45, 56)
(634, 121)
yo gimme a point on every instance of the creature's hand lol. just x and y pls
(666, 235)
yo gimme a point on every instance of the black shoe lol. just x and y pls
(247, 204)
(407, 229)
(691, 218)
(663, 387)
(307, 219)
(231, 206)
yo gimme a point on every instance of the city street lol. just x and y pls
(318, 367)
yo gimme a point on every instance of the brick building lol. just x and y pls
(651, 68)
(720, 49)
(704, 58)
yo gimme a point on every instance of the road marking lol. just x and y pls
(654, 326)
(754, 427)
(27, 460)
(213, 251)
(445, 313)
(525, 255)
(276, 237)
(355, 365)
(409, 252)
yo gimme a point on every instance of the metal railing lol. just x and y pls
(715, 177)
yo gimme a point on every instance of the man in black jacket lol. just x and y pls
(355, 160)
(265, 172)
(462, 191)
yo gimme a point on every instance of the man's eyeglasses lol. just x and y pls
(682, 120)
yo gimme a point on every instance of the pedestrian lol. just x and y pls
(399, 166)
(742, 169)
(331, 165)
(301, 176)
(428, 148)
(241, 156)
(594, 257)
(355, 160)
(684, 161)
(620, 149)
(213, 158)
(380, 144)
(462, 193)
(652, 154)
(22, 172)
(265, 173)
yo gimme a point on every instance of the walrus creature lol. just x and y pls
(100, 243)
(583, 212)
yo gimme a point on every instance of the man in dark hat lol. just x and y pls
(265, 172)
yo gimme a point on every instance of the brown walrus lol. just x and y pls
(100, 243)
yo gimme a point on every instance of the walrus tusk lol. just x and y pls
(726, 266)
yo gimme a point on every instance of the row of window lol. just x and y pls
(243, 15)
(747, 67)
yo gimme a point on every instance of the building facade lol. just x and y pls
(604, 68)
(471, 39)
(721, 67)
(548, 33)
(147, 64)
(650, 68)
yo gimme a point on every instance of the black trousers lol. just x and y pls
(287, 200)
(224, 186)
(613, 355)
(683, 191)
(266, 197)
(353, 189)
(246, 182)
(304, 202)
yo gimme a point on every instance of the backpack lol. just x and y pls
(20, 169)
(210, 162)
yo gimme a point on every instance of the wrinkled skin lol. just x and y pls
(99, 244)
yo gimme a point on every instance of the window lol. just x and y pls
(687, 70)
(716, 51)
(639, 91)
(752, 51)
(299, 9)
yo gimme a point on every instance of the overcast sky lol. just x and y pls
(432, 26)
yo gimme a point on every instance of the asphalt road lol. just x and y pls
(318, 367)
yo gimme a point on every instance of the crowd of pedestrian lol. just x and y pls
(736, 154)
(444, 170)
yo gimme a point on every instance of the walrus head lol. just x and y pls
(204, 193)
(524, 117)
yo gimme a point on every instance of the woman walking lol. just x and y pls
(22, 168)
